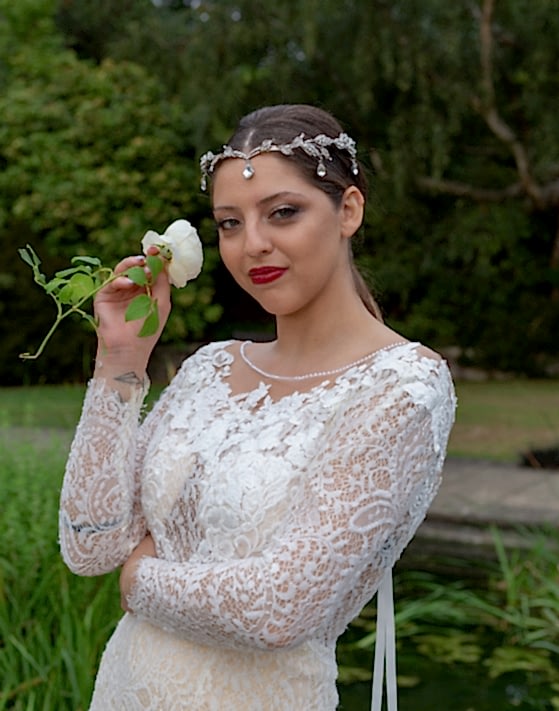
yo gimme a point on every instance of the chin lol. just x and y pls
(277, 304)
(271, 306)
(281, 312)
(270, 309)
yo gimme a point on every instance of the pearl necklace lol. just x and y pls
(316, 374)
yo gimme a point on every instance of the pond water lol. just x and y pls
(459, 630)
(442, 687)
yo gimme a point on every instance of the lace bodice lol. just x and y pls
(274, 521)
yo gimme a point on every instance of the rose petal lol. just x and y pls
(186, 250)
(148, 239)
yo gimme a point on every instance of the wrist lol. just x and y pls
(121, 360)
(123, 373)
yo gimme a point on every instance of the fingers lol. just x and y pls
(147, 547)
(125, 282)
(137, 260)
(129, 262)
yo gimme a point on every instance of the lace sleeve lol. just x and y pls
(365, 493)
(100, 521)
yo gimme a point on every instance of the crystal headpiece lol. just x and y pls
(316, 147)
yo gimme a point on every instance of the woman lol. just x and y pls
(272, 488)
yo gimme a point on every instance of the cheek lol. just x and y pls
(224, 251)
(323, 240)
(229, 255)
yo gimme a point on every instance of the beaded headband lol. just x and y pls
(316, 147)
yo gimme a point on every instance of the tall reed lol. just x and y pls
(53, 625)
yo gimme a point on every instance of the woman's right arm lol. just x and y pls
(101, 519)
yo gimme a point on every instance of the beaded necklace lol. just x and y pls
(317, 373)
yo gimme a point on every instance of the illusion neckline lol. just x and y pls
(259, 396)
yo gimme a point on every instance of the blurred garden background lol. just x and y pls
(105, 109)
(106, 106)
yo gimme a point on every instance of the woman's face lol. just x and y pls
(282, 239)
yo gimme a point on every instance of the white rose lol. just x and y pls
(181, 246)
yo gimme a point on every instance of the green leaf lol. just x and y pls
(151, 324)
(82, 286)
(67, 272)
(138, 275)
(66, 295)
(29, 256)
(54, 284)
(140, 307)
(155, 265)
(79, 287)
(26, 257)
(91, 261)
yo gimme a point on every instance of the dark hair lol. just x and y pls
(283, 123)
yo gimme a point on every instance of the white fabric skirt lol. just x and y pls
(145, 668)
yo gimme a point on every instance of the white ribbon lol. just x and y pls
(385, 648)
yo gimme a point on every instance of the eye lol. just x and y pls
(227, 224)
(285, 212)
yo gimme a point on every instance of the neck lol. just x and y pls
(340, 333)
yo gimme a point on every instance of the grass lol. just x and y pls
(53, 625)
(49, 406)
(41, 406)
(497, 420)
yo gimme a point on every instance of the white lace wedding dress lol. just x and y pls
(274, 523)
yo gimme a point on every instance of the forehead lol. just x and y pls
(271, 171)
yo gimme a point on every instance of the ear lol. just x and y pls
(351, 211)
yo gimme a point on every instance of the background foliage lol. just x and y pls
(107, 104)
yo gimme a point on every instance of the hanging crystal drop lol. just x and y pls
(321, 170)
(248, 171)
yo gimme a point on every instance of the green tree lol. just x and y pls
(91, 157)
(486, 149)
(452, 105)
(91, 28)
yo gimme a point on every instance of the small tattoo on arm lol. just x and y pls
(129, 378)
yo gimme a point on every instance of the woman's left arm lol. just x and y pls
(367, 491)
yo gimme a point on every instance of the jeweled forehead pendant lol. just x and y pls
(248, 171)
(316, 147)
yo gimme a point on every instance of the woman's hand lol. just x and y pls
(127, 574)
(113, 300)
(122, 355)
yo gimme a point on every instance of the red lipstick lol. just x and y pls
(265, 275)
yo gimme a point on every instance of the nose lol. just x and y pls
(257, 240)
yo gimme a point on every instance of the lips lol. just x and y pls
(265, 275)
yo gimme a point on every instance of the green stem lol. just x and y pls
(74, 309)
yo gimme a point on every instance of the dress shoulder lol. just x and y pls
(408, 368)
(214, 354)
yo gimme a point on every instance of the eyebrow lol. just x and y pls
(264, 201)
